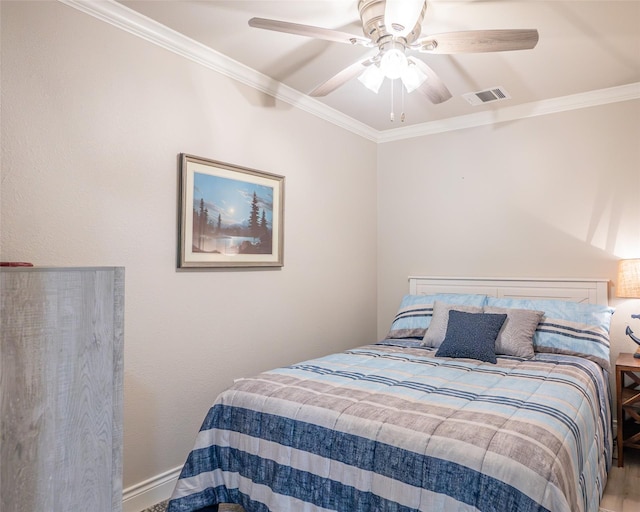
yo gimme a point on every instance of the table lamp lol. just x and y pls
(629, 287)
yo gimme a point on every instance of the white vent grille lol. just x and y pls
(487, 96)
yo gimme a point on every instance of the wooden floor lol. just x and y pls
(622, 493)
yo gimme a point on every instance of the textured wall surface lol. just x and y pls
(93, 121)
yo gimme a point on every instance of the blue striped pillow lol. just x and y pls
(568, 327)
(414, 315)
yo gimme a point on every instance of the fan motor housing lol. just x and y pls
(373, 25)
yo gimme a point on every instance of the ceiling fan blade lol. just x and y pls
(341, 78)
(477, 41)
(308, 31)
(433, 88)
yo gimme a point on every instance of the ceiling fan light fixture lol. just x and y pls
(412, 77)
(393, 63)
(372, 78)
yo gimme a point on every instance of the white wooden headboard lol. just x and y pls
(591, 291)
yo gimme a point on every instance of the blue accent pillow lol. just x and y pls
(472, 335)
(415, 311)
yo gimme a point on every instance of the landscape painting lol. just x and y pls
(229, 216)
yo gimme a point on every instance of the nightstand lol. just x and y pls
(628, 403)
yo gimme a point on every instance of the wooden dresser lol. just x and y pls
(61, 370)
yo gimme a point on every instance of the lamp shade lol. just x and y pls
(629, 279)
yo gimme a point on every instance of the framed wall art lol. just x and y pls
(229, 216)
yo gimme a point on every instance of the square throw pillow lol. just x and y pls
(472, 335)
(438, 326)
(516, 336)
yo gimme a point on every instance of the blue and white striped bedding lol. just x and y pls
(390, 427)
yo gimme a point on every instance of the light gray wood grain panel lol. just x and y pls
(61, 389)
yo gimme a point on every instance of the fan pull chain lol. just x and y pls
(393, 115)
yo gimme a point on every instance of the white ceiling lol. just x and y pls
(585, 45)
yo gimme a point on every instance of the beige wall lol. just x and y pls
(550, 196)
(93, 120)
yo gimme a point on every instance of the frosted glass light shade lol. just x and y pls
(393, 63)
(412, 77)
(372, 78)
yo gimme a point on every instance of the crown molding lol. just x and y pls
(533, 109)
(135, 23)
(141, 26)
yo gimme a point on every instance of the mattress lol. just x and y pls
(391, 427)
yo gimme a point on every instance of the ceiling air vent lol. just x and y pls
(487, 96)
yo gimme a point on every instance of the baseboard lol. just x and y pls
(148, 493)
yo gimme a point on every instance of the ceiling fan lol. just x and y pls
(393, 28)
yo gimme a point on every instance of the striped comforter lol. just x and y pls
(390, 427)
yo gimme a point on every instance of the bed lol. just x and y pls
(486, 394)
